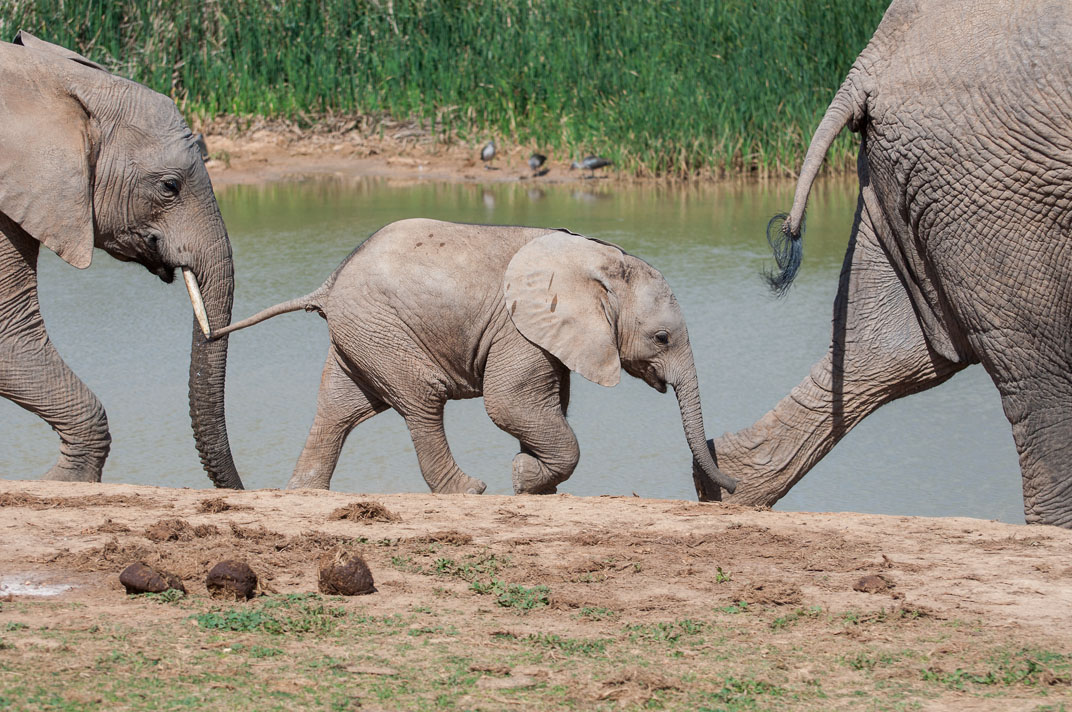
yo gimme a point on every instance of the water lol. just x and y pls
(947, 451)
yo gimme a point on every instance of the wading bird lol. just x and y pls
(537, 160)
(591, 163)
(488, 153)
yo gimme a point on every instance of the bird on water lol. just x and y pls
(591, 163)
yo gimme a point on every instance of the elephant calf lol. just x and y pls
(427, 311)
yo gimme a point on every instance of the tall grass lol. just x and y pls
(663, 87)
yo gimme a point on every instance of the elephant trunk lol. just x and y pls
(213, 274)
(686, 387)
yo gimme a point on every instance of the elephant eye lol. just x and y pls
(171, 186)
(662, 337)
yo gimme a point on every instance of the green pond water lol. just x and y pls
(944, 452)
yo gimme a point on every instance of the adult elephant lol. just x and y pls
(961, 249)
(90, 159)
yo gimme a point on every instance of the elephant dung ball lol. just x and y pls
(141, 578)
(345, 574)
(231, 580)
(872, 584)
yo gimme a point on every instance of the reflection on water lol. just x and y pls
(944, 452)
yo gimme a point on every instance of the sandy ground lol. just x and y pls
(1015, 576)
(990, 583)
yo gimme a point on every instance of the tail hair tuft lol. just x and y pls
(788, 248)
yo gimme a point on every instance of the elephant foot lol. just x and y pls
(462, 484)
(530, 476)
(59, 473)
(309, 480)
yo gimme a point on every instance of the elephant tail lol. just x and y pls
(786, 241)
(310, 302)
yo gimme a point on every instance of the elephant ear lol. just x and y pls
(559, 293)
(46, 148)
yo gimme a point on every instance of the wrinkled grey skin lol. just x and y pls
(427, 311)
(90, 159)
(961, 251)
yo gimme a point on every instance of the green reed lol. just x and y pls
(665, 88)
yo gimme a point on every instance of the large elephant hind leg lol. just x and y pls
(342, 405)
(1040, 411)
(35, 376)
(526, 394)
(878, 354)
(1031, 368)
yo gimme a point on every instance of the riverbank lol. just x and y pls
(269, 151)
(497, 602)
(260, 151)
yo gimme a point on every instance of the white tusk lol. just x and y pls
(196, 301)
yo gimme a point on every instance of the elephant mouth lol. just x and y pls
(647, 373)
(146, 253)
(652, 379)
(166, 273)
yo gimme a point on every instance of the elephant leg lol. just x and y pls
(438, 467)
(34, 375)
(878, 353)
(526, 393)
(1025, 352)
(342, 405)
(1039, 408)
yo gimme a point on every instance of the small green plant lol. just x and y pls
(597, 613)
(522, 598)
(741, 694)
(668, 632)
(512, 595)
(13, 626)
(734, 608)
(172, 595)
(1020, 667)
(721, 576)
(472, 567)
(597, 646)
(485, 587)
(791, 618)
(259, 651)
(406, 564)
(295, 613)
(869, 661)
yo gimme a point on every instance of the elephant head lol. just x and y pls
(598, 309)
(88, 159)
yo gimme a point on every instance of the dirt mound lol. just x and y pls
(364, 512)
(449, 536)
(179, 530)
(215, 505)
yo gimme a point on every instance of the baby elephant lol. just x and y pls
(426, 311)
